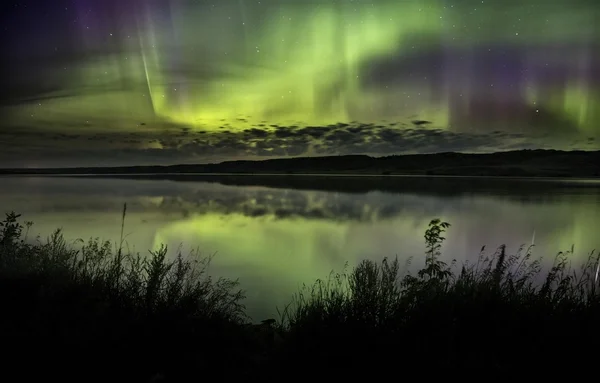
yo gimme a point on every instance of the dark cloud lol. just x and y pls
(24, 148)
(342, 136)
(315, 131)
(287, 132)
(421, 122)
(256, 133)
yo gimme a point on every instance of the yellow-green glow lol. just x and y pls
(576, 101)
(157, 68)
(295, 244)
(298, 54)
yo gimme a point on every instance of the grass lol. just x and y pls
(93, 312)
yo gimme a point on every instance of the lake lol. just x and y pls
(275, 233)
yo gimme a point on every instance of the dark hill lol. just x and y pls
(523, 163)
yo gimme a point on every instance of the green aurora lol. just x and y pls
(215, 70)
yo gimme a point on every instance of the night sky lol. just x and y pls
(115, 82)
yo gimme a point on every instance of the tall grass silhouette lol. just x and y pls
(93, 311)
(461, 319)
(138, 312)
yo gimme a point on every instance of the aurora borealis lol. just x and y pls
(109, 82)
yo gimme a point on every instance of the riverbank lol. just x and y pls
(95, 312)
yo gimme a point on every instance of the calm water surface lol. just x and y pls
(275, 233)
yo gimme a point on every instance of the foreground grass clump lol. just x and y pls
(94, 313)
(499, 315)
(114, 313)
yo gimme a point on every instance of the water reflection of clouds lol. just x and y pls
(188, 199)
(480, 218)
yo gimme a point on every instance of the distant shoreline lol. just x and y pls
(283, 175)
(515, 164)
